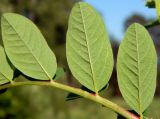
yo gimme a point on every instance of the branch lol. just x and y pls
(95, 98)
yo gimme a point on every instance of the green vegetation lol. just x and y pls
(28, 49)
(137, 68)
(86, 45)
(90, 59)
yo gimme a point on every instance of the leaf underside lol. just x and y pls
(89, 53)
(6, 72)
(59, 73)
(27, 48)
(137, 67)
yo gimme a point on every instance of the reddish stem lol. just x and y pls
(133, 115)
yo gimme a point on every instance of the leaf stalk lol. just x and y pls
(96, 98)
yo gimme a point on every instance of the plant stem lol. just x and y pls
(95, 98)
(141, 116)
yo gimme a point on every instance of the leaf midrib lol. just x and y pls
(5, 77)
(84, 27)
(29, 49)
(139, 84)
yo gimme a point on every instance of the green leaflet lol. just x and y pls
(89, 53)
(137, 68)
(59, 73)
(27, 48)
(6, 72)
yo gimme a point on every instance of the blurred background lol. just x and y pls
(51, 17)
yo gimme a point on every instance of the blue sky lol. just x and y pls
(114, 13)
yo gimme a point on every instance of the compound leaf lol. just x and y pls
(6, 72)
(137, 67)
(27, 48)
(89, 52)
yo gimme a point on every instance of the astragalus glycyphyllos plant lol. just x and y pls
(89, 57)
